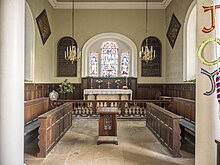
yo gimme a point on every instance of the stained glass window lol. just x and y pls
(94, 64)
(108, 62)
(124, 64)
(109, 59)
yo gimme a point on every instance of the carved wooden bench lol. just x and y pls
(33, 109)
(53, 125)
(186, 109)
(165, 126)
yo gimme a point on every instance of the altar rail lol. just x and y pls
(127, 108)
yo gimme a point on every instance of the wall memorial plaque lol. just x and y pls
(173, 30)
(65, 68)
(152, 68)
(43, 26)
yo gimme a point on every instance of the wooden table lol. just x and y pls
(107, 125)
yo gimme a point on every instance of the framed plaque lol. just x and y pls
(173, 30)
(65, 68)
(152, 68)
(43, 26)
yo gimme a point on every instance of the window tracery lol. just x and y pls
(109, 62)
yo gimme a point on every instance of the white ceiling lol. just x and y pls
(110, 4)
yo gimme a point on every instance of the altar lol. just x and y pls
(107, 94)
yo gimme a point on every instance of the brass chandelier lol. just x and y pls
(146, 54)
(71, 52)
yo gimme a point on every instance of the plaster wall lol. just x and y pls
(174, 56)
(89, 23)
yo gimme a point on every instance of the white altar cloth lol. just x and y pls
(107, 92)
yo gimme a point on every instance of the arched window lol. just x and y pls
(109, 59)
(189, 55)
(109, 55)
(111, 63)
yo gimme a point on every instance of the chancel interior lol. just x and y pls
(123, 82)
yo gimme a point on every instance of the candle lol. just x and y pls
(91, 83)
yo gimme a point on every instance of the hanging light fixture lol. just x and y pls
(71, 52)
(146, 54)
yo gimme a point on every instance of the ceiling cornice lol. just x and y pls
(109, 5)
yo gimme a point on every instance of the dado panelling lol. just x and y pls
(35, 91)
(140, 91)
(152, 91)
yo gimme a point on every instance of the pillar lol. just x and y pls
(207, 106)
(12, 19)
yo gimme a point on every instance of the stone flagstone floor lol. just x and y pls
(136, 146)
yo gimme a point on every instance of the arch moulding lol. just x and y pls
(114, 37)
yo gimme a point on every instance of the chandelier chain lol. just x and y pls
(147, 53)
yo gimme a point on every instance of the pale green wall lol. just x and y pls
(43, 53)
(156, 27)
(174, 58)
(88, 23)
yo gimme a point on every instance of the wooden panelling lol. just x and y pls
(140, 91)
(34, 108)
(53, 125)
(35, 91)
(165, 126)
(186, 90)
(151, 91)
(183, 107)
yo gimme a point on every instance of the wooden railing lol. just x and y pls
(127, 108)
(165, 126)
(53, 125)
